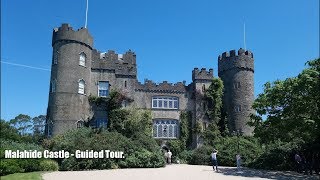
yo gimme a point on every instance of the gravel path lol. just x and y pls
(173, 172)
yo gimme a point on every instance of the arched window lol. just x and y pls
(81, 86)
(125, 84)
(82, 59)
(80, 124)
(203, 88)
(165, 128)
(53, 85)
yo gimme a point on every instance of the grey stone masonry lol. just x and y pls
(78, 69)
(237, 72)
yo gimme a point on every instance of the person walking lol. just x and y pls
(214, 159)
(238, 160)
(166, 156)
(298, 160)
(169, 156)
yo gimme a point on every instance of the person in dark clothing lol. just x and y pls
(298, 161)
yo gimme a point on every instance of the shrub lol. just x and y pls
(201, 156)
(10, 166)
(139, 151)
(249, 149)
(184, 157)
(176, 147)
(48, 165)
(278, 156)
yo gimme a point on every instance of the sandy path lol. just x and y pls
(174, 172)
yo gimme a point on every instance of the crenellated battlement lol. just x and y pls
(66, 33)
(111, 55)
(232, 53)
(232, 59)
(121, 64)
(164, 87)
(202, 74)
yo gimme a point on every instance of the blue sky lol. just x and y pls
(169, 37)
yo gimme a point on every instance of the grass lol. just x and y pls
(23, 176)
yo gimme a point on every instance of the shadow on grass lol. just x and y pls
(245, 172)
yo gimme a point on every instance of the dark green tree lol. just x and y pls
(291, 108)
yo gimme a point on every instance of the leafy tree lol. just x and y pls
(23, 123)
(8, 132)
(291, 107)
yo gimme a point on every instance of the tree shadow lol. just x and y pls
(245, 172)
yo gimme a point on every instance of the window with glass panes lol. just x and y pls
(81, 86)
(165, 128)
(160, 102)
(103, 88)
(82, 59)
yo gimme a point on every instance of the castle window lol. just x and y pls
(103, 88)
(236, 85)
(165, 102)
(81, 86)
(165, 128)
(125, 84)
(80, 124)
(53, 85)
(82, 59)
(203, 88)
(55, 57)
(237, 109)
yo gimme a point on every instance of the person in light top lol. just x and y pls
(169, 156)
(214, 159)
(238, 159)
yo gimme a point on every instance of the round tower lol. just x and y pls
(236, 72)
(68, 105)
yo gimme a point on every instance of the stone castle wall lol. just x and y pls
(66, 106)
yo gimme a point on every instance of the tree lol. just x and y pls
(8, 132)
(291, 108)
(23, 123)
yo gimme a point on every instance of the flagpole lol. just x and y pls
(85, 25)
(244, 35)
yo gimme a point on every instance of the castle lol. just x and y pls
(78, 71)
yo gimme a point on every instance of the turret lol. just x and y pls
(201, 81)
(237, 72)
(70, 79)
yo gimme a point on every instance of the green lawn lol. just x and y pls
(23, 176)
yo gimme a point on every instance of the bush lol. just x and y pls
(9, 166)
(278, 156)
(184, 157)
(139, 151)
(176, 147)
(48, 165)
(249, 150)
(201, 156)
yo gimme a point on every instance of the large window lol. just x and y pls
(165, 102)
(165, 128)
(81, 86)
(103, 88)
(82, 59)
(99, 122)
